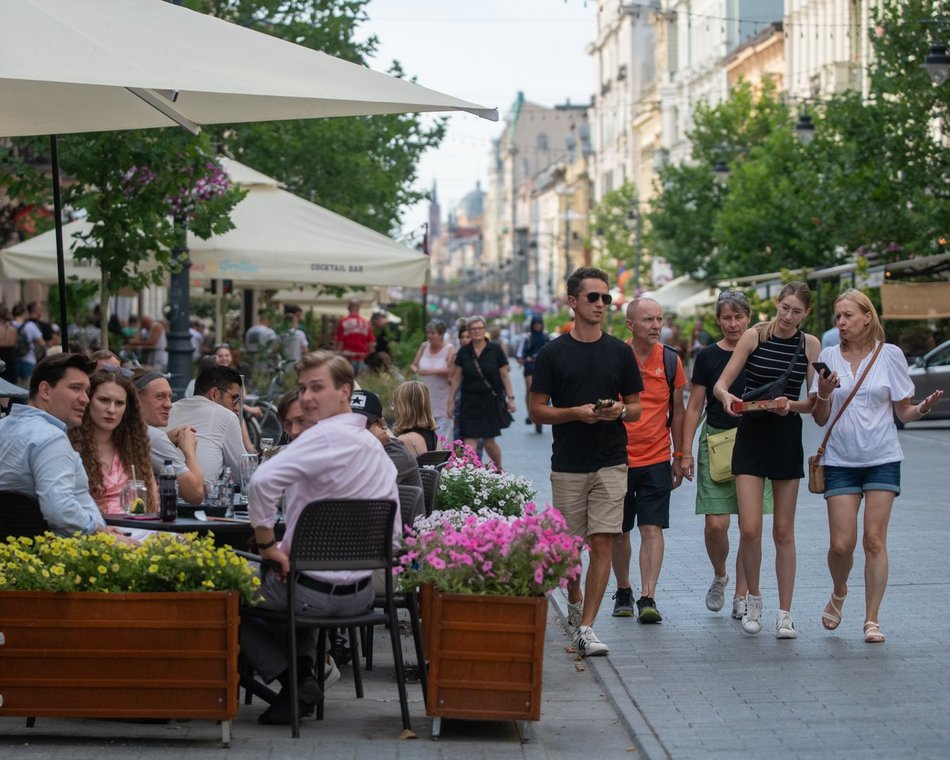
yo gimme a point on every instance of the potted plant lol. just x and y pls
(467, 483)
(485, 577)
(93, 627)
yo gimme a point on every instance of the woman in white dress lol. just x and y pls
(434, 363)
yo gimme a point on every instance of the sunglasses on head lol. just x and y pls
(605, 297)
(124, 371)
(733, 294)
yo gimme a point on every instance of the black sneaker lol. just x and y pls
(647, 611)
(623, 602)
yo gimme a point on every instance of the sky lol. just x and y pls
(483, 52)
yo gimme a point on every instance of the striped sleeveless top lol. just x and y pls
(771, 359)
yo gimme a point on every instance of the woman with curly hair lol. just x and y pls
(414, 424)
(112, 440)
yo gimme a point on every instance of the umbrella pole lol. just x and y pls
(60, 253)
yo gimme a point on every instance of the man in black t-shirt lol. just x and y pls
(589, 459)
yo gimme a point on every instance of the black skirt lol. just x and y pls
(478, 415)
(769, 446)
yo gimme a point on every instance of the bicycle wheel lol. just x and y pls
(253, 430)
(270, 426)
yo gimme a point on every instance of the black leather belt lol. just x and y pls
(329, 588)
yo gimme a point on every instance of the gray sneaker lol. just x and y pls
(752, 620)
(623, 602)
(716, 596)
(587, 644)
(575, 611)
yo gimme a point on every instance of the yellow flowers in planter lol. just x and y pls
(165, 562)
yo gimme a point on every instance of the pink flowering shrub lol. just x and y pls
(525, 556)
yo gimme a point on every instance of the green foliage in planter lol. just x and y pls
(101, 562)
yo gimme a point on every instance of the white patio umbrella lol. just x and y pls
(278, 240)
(97, 65)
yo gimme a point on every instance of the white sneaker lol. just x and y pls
(716, 596)
(587, 644)
(738, 607)
(575, 610)
(752, 619)
(784, 627)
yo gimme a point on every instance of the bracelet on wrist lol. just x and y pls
(677, 455)
(823, 398)
(921, 412)
(267, 544)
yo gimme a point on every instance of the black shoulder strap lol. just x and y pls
(670, 358)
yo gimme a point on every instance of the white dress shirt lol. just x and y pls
(338, 458)
(220, 442)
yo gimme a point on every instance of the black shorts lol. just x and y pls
(648, 496)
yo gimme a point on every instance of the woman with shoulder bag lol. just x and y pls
(481, 370)
(777, 358)
(862, 453)
(716, 498)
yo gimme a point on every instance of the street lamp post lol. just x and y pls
(634, 224)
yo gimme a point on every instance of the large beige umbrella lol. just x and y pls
(278, 240)
(99, 65)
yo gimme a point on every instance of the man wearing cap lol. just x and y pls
(336, 457)
(368, 404)
(36, 457)
(354, 336)
(178, 444)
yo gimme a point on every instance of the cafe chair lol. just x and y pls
(433, 458)
(412, 503)
(20, 515)
(430, 487)
(341, 535)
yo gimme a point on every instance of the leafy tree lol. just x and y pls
(360, 167)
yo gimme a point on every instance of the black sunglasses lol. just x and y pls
(605, 297)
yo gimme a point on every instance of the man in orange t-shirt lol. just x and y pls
(652, 475)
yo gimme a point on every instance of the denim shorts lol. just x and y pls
(879, 477)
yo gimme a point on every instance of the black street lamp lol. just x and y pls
(805, 129)
(937, 64)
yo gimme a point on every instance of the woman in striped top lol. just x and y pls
(769, 445)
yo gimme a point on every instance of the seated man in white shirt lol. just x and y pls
(178, 444)
(335, 458)
(213, 414)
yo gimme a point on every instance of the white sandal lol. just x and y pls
(835, 615)
(873, 633)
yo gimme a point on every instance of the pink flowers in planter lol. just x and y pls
(522, 556)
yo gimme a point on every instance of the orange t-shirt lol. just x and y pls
(648, 439)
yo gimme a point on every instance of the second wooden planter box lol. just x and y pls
(485, 655)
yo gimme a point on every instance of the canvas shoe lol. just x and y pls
(575, 611)
(331, 673)
(716, 596)
(752, 619)
(623, 602)
(784, 627)
(738, 607)
(587, 644)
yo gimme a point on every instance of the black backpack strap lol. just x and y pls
(670, 358)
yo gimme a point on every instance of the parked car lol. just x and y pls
(930, 372)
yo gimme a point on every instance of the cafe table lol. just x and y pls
(234, 532)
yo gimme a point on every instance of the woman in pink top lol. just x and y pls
(112, 439)
(434, 362)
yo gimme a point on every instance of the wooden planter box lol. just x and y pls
(485, 656)
(91, 655)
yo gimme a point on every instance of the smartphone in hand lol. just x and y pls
(603, 403)
(821, 368)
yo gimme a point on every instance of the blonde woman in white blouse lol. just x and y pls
(863, 455)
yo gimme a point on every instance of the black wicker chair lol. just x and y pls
(433, 458)
(341, 535)
(430, 487)
(20, 515)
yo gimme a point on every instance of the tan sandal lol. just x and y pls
(873, 633)
(831, 620)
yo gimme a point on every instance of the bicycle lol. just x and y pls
(268, 425)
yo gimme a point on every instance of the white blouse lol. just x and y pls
(866, 434)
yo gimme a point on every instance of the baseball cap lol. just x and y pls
(366, 403)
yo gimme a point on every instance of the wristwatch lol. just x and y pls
(623, 412)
